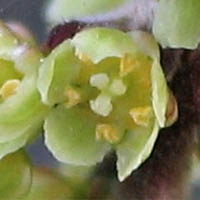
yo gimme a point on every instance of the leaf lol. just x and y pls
(56, 72)
(176, 23)
(70, 136)
(110, 43)
(135, 148)
(15, 176)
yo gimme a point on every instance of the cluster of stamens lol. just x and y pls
(109, 88)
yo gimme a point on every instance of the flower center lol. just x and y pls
(109, 89)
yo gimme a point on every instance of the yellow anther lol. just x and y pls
(127, 64)
(83, 57)
(107, 132)
(9, 88)
(73, 96)
(141, 115)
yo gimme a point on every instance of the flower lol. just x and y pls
(20, 106)
(106, 90)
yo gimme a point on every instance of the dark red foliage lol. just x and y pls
(62, 32)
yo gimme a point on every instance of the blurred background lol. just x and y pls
(31, 14)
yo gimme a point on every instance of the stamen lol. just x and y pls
(118, 87)
(127, 65)
(73, 96)
(99, 81)
(9, 88)
(101, 105)
(107, 132)
(141, 115)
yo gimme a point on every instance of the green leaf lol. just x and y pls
(70, 136)
(135, 148)
(47, 185)
(15, 176)
(110, 43)
(160, 93)
(176, 23)
(56, 73)
(68, 9)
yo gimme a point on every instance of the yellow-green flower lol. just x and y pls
(107, 91)
(21, 109)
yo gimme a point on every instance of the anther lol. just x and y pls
(73, 96)
(141, 115)
(107, 132)
(9, 88)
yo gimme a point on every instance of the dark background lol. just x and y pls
(29, 12)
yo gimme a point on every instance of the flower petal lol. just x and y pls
(20, 141)
(135, 149)
(160, 93)
(56, 72)
(110, 43)
(21, 111)
(70, 136)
